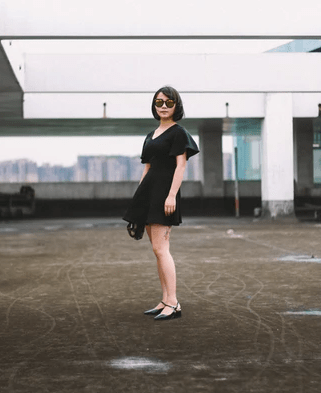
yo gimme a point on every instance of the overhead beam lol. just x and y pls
(138, 105)
(105, 73)
(148, 19)
(84, 127)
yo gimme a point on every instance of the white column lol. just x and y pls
(277, 156)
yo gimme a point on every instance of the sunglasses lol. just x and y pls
(169, 103)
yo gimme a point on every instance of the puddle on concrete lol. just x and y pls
(53, 227)
(299, 258)
(128, 363)
(308, 312)
(8, 229)
(140, 363)
(231, 233)
(83, 226)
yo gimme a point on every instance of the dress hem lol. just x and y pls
(150, 223)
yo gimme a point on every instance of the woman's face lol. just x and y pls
(163, 112)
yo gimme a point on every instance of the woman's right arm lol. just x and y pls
(146, 169)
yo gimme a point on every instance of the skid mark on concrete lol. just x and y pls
(208, 288)
(103, 317)
(230, 304)
(296, 355)
(250, 321)
(16, 369)
(264, 244)
(90, 346)
(235, 302)
(22, 297)
(248, 306)
(218, 309)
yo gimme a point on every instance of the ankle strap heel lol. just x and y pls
(175, 314)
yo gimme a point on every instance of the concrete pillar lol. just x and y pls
(277, 157)
(210, 141)
(303, 156)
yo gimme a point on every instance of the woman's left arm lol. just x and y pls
(170, 202)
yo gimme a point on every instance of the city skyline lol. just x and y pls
(87, 169)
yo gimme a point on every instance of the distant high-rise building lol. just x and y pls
(95, 169)
(136, 169)
(118, 168)
(108, 168)
(81, 169)
(102, 168)
(18, 171)
(56, 173)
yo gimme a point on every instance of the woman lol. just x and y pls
(156, 203)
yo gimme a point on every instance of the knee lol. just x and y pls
(159, 251)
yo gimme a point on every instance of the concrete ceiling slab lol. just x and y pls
(148, 19)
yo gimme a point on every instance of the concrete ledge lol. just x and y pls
(247, 188)
(126, 189)
(120, 190)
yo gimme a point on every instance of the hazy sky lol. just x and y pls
(64, 150)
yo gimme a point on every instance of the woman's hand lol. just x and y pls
(170, 205)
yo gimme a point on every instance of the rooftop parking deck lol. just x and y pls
(73, 292)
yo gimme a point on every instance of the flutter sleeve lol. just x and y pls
(182, 142)
(144, 158)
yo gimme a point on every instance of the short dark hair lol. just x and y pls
(172, 94)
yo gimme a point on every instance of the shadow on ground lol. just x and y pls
(72, 296)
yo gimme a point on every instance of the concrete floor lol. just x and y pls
(73, 292)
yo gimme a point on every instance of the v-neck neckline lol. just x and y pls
(162, 132)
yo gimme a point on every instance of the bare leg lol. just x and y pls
(160, 273)
(166, 267)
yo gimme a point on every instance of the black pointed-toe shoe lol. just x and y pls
(154, 311)
(175, 314)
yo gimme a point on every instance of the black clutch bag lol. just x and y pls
(135, 230)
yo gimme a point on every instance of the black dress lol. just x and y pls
(147, 205)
